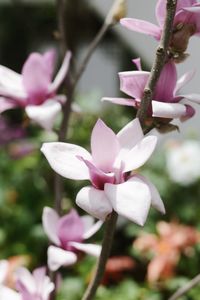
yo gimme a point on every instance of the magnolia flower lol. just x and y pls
(108, 168)
(186, 23)
(36, 286)
(68, 233)
(34, 89)
(183, 162)
(167, 102)
(166, 247)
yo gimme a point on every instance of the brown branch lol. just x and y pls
(110, 225)
(183, 290)
(161, 55)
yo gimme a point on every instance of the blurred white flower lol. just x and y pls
(183, 162)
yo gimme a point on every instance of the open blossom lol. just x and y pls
(183, 162)
(68, 233)
(186, 23)
(167, 101)
(35, 286)
(108, 168)
(34, 89)
(166, 247)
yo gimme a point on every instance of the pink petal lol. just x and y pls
(161, 12)
(36, 78)
(89, 227)
(168, 110)
(130, 135)
(43, 283)
(58, 257)
(133, 83)
(25, 281)
(62, 157)
(121, 101)
(104, 146)
(44, 114)
(156, 201)
(142, 26)
(90, 249)
(6, 104)
(139, 154)
(183, 80)
(50, 220)
(70, 228)
(49, 60)
(61, 73)
(131, 199)
(94, 202)
(137, 62)
(168, 78)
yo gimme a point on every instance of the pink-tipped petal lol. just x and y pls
(156, 201)
(94, 202)
(50, 220)
(133, 83)
(139, 154)
(183, 80)
(36, 78)
(90, 249)
(44, 114)
(190, 112)
(104, 146)
(142, 27)
(89, 227)
(137, 62)
(121, 101)
(61, 73)
(130, 135)
(168, 110)
(63, 159)
(131, 199)
(58, 257)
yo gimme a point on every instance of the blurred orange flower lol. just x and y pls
(166, 247)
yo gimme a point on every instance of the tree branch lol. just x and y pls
(110, 225)
(161, 55)
(183, 290)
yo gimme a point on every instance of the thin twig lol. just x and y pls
(161, 55)
(183, 290)
(110, 225)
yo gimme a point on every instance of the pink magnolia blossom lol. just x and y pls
(68, 233)
(186, 23)
(167, 102)
(108, 168)
(34, 89)
(36, 286)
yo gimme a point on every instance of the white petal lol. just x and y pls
(44, 114)
(168, 110)
(94, 202)
(156, 201)
(4, 265)
(63, 159)
(26, 279)
(58, 257)
(8, 294)
(131, 199)
(192, 97)
(90, 249)
(139, 154)
(184, 80)
(50, 220)
(89, 227)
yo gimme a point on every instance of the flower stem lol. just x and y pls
(110, 225)
(160, 59)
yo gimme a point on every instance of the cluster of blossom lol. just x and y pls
(112, 166)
